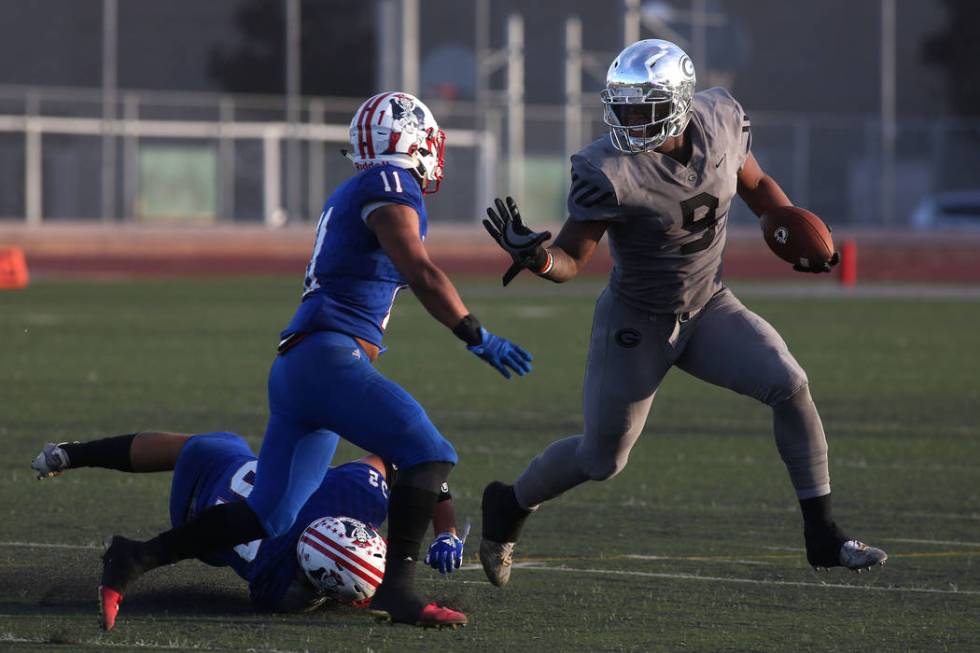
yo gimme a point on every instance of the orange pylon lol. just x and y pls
(849, 263)
(13, 268)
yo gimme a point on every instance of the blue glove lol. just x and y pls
(501, 354)
(445, 553)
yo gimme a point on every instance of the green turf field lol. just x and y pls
(697, 546)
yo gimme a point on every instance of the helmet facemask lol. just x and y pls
(430, 160)
(641, 122)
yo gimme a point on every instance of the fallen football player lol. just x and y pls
(332, 553)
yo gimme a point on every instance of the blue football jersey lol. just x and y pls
(220, 468)
(351, 283)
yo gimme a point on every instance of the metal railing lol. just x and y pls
(51, 149)
(225, 125)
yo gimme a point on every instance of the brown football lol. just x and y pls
(797, 236)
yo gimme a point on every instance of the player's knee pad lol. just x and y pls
(441, 450)
(412, 438)
(785, 379)
(428, 445)
(428, 475)
(603, 467)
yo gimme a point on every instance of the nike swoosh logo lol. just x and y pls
(722, 160)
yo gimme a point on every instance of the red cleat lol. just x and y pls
(109, 600)
(401, 606)
(434, 616)
(430, 616)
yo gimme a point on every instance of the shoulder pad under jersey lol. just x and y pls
(592, 195)
(725, 119)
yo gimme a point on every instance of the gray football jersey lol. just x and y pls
(667, 220)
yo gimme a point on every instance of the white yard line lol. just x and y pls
(857, 464)
(49, 545)
(637, 556)
(806, 289)
(536, 566)
(939, 542)
(541, 566)
(949, 516)
(872, 290)
(752, 581)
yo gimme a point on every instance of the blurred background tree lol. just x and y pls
(337, 49)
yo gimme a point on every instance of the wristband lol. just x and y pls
(468, 330)
(548, 264)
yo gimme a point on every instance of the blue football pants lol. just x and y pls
(324, 386)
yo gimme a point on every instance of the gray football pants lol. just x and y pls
(630, 352)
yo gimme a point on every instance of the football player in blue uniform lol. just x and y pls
(369, 245)
(215, 468)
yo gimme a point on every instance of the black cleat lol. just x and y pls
(120, 564)
(119, 569)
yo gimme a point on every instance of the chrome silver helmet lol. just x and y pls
(649, 88)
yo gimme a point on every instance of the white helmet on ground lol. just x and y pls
(397, 128)
(343, 557)
(648, 95)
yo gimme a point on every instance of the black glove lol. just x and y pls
(818, 269)
(505, 226)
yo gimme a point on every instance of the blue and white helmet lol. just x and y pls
(648, 95)
(342, 557)
(398, 128)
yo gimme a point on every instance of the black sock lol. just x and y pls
(817, 512)
(111, 453)
(215, 529)
(819, 527)
(413, 498)
(505, 524)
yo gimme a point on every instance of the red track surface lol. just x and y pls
(94, 251)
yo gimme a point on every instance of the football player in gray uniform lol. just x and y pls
(661, 183)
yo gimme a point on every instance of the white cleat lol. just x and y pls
(497, 559)
(52, 461)
(858, 556)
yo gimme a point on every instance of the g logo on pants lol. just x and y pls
(628, 338)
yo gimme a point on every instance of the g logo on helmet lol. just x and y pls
(687, 66)
(781, 235)
(342, 557)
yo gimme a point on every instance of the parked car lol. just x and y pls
(948, 210)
